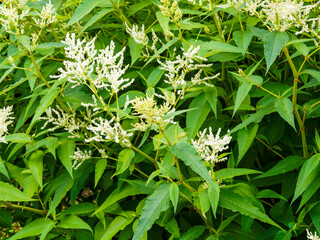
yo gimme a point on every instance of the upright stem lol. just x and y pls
(294, 102)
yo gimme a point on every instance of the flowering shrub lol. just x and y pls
(159, 119)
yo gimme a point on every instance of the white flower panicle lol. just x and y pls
(171, 10)
(108, 130)
(47, 16)
(5, 121)
(148, 111)
(178, 69)
(79, 157)
(138, 35)
(11, 16)
(311, 236)
(281, 15)
(58, 118)
(103, 70)
(209, 146)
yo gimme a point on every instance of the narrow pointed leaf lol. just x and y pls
(213, 195)
(155, 204)
(65, 153)
(191, 158)
(174, 195)
(124, 159)
(10, 193)
(245, 138)
(35, 164)
(73, 222)
(99, 170)
(285, 109)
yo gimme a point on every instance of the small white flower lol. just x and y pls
(311, 236)
(47, 16)
(138, 35)
(209, 146)
(79, 157)
(5, 121)
(108, 130)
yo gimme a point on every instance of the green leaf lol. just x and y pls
(10, 193)
(233, 172)
(5, 218)
(3, 168)
(237, 203)
(25, 41)
(245, 138)
(243, 39)
(155, 204)
(255, 117)
(39, 226)
(118, 224)
(267, 193)
(211, 94)
(309, 171)
(65, 153)
(43, 48)
(213, 195)
(315, 74)
(73, 222)
(155, 76)
(99, 170)
(124, 159)
(191, 158)
(118, 194)
(95, 18)
(35, 164)
(45, 102)
(163, 21)
(196, 117)
(273, 43)
(285, 109)
(241, 95)
(81, 208)
(18, 137)
(193, 233)
(85, 7)
(226, 222)
(135, 50)
(64, 184)
(309, 192)
(174, 195)
(286, 165)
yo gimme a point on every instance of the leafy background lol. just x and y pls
(268, 187)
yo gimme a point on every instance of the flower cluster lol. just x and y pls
(178, 69)
(58, 118)
(311, 236)
(11, 16)
(149, 113)
(103, 70)
(209, 146)
(5, 121)
(108, 130)
(47, 16)
(138, 35)
(171, 10)
(79, 157)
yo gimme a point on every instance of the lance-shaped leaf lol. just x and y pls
(191, 158)
(285, 109)
(155, 204)
(10, 193)
(73, 222)
(35, 163)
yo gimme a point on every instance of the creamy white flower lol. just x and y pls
(311, 236)
(47, 16)
(138, 35)
(58, 118)
(5, 121)
(171, 10)
(11, 16)
(148, 111)
(108, 130)
(79, 157)
(209, 146)
(178, 69)
(85, 66)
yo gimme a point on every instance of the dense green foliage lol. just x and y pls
(111, 114)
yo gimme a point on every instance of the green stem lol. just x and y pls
(34, 210)
(38, 71)
(122, 16)
(294, 102)
(143, 154)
